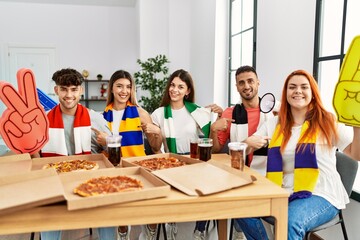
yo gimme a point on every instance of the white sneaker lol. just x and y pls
(124, 235)
(197, 235)
(171, 231)
(238, 235)
(147, 233)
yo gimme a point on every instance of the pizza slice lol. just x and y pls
(72, 165)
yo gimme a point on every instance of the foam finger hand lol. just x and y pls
(346, 100)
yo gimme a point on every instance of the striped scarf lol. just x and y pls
(306, 170)
(239, 129)
(56, 145)
(132, 143)
(200, 115)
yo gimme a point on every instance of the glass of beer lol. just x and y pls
(113, 143)
(237, 151)
(205, 148)
(194, 152)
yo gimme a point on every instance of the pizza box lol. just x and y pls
(38, 163)
(128, 162)
(14, 164)
(31, 189)
(153, 187)
(204, 178)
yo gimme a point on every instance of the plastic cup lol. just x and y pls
(237, 151)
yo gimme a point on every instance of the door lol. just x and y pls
(41, 60)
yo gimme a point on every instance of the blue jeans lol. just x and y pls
(303, 215)
(200, 226)
(105, 233)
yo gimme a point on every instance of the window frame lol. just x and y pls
(340, 56)
(231, 35)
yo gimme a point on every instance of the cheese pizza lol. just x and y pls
(72, 165)
(105, 185)
(160, 163)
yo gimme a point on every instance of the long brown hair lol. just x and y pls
(117, 75)
(320, 120)
(186, 78)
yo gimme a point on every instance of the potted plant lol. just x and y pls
(99, 77)
(152, 78)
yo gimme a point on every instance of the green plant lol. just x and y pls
(99, 76)
(152, 78)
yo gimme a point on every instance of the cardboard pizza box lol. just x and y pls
(27, 190)
(38, 163)
(153, 187)
(15, 164)
(204, 178)
(128, 162)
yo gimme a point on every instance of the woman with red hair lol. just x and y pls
(301, 158)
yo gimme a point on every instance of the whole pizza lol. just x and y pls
(160, 163)
(105, 185)
(72, 165)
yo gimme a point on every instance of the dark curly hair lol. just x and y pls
(68, 77)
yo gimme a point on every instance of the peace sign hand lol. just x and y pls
(24, 124)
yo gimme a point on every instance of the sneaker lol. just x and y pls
(197, 235)
(171, 231)
(238, 235)
(150, 234)
(123, 236)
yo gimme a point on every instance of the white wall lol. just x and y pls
(285, 41)
(98, 38)
(193, 34)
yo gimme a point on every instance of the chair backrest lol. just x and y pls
(347, 168)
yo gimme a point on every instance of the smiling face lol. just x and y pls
(121, 90)
(69, 97)
(247, 85)
(178, 90)
(298, 92)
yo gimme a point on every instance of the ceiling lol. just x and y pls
(121, 3)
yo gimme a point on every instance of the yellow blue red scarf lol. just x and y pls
(132, 143)
(306, 169)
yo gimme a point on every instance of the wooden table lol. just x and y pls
(261, 198)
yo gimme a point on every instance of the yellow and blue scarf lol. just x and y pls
(201, 116)
(306, 170)
(132, 143)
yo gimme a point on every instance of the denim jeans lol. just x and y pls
(200, 225)
(303, 215)
(105, 233)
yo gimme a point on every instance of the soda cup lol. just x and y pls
(205, 148)
(237, 151)
(113, 143)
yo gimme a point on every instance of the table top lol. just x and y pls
(255, 199)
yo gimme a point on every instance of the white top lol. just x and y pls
(329, 185)
(117, 116)
(184, 125)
